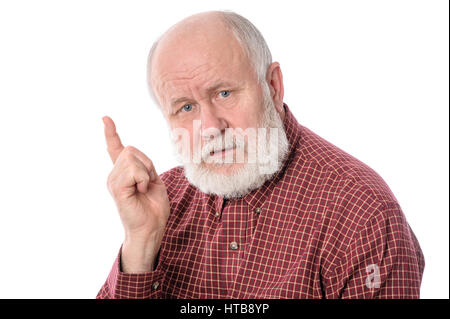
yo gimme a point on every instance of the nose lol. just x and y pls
(212, 123)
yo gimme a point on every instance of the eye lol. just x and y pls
(187, 108)
(225, 93)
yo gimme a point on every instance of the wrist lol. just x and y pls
(138, 256)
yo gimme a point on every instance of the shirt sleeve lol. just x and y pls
(120, 285)
(384, 260)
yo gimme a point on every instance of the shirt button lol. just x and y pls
(234, 245)
(155, 285)
(257, 210)
(217, 214)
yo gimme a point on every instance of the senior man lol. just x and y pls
(277, 212)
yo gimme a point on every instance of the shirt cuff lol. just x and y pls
(134, 286)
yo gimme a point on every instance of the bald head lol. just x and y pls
(197, 24)
(206, 36)
(193, 48)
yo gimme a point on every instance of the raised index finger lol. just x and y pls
(113, 142)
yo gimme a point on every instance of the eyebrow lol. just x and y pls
(212, 88)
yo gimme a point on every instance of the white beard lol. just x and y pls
(248, 176)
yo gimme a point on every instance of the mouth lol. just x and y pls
(222, 151)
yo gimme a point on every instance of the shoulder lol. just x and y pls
(354, 199)
(354, 192)
(353, 175)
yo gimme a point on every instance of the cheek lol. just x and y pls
(246, 119)
(250, 111)
(187, 133)
(191, 140)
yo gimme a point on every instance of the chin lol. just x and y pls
(228, 180)
(224, 168)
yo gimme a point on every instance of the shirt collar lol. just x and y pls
(256, 198)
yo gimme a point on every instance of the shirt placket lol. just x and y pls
(234, 220)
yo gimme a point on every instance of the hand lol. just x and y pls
(141, 199)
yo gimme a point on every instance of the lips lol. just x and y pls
(223, 150)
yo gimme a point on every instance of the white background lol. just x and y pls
(369, 76)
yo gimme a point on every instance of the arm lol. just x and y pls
(383, 260)
(143, 206)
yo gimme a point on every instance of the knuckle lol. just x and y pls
(129, 149)
(138, 173)
(132, 171)
(129, 156)
(148, 162)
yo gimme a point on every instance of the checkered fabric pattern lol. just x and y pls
(326, 226)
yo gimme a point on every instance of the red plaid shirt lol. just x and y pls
(326, 226)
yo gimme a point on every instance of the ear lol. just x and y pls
(274, 78)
